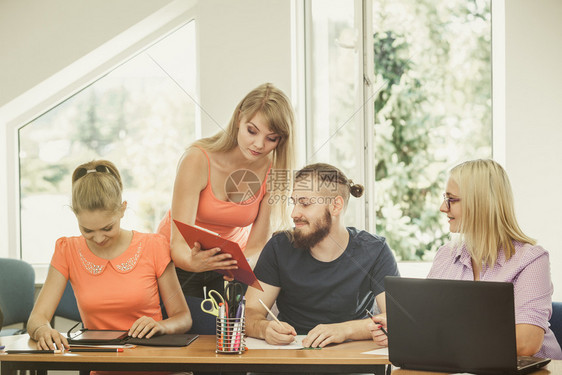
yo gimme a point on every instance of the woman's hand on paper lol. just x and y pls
(379, 337)
(50, 339)
(210, 260)
(279, 334)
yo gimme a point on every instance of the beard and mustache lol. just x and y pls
(318, 231)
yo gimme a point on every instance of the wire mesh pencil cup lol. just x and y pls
(230, 335)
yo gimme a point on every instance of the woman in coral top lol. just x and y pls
(233, 183)
(118, 276)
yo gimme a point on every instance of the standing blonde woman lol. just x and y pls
(118, 275)
(234, 183)
(491, 246)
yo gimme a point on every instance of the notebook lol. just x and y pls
(453, 326)
(112, 337)
(209, 240)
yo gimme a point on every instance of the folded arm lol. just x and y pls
(324, 334)
(529, 339)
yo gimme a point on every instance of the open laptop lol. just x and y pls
(453, 326)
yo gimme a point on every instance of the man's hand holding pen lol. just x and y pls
(378, 329)
(279, 333)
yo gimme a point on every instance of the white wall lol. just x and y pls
(533, 109)
(40, 37)
(243, 45)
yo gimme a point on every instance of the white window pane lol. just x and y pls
(434, 111)
(335, 94)
(140, 116)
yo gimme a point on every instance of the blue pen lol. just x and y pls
(240, 307)
(239, 325)
(2, 347)
(235, 327)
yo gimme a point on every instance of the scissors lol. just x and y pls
(214, 299)
(234, 293)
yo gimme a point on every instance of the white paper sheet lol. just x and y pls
(381, 351)
(253, 343)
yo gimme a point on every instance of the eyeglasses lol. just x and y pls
(83, 171)
(449, 200)
(69, 333)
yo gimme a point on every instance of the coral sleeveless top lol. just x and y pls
(229, 219)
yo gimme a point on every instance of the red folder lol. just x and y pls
(209, 240)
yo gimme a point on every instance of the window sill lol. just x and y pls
(407, 269)
(41, 271)
(414, 269)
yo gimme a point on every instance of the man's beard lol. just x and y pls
(320, 231)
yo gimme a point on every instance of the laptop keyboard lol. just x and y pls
(525, 361)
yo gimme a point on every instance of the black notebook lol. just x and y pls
(453, 326)
(109, 337)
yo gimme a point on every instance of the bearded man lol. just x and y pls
(323, 275)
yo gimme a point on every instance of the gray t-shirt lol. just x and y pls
(314, 292)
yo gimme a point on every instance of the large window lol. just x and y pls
(427, 66)
(140, 116)
(334, 72)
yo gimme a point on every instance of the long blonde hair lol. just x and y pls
(277, 110)
(488, 222)
(96, 185)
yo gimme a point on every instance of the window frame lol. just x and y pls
(365, 102)
(363, 18)
(62, 86)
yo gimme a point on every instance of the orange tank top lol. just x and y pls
(229, 219)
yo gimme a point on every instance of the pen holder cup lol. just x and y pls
(230, 335)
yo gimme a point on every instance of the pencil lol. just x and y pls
(98, 350)
(380, 325)
(32, 351)
(270, 313)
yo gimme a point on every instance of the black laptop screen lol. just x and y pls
(451, 325)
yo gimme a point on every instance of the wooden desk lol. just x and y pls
(198, 356)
